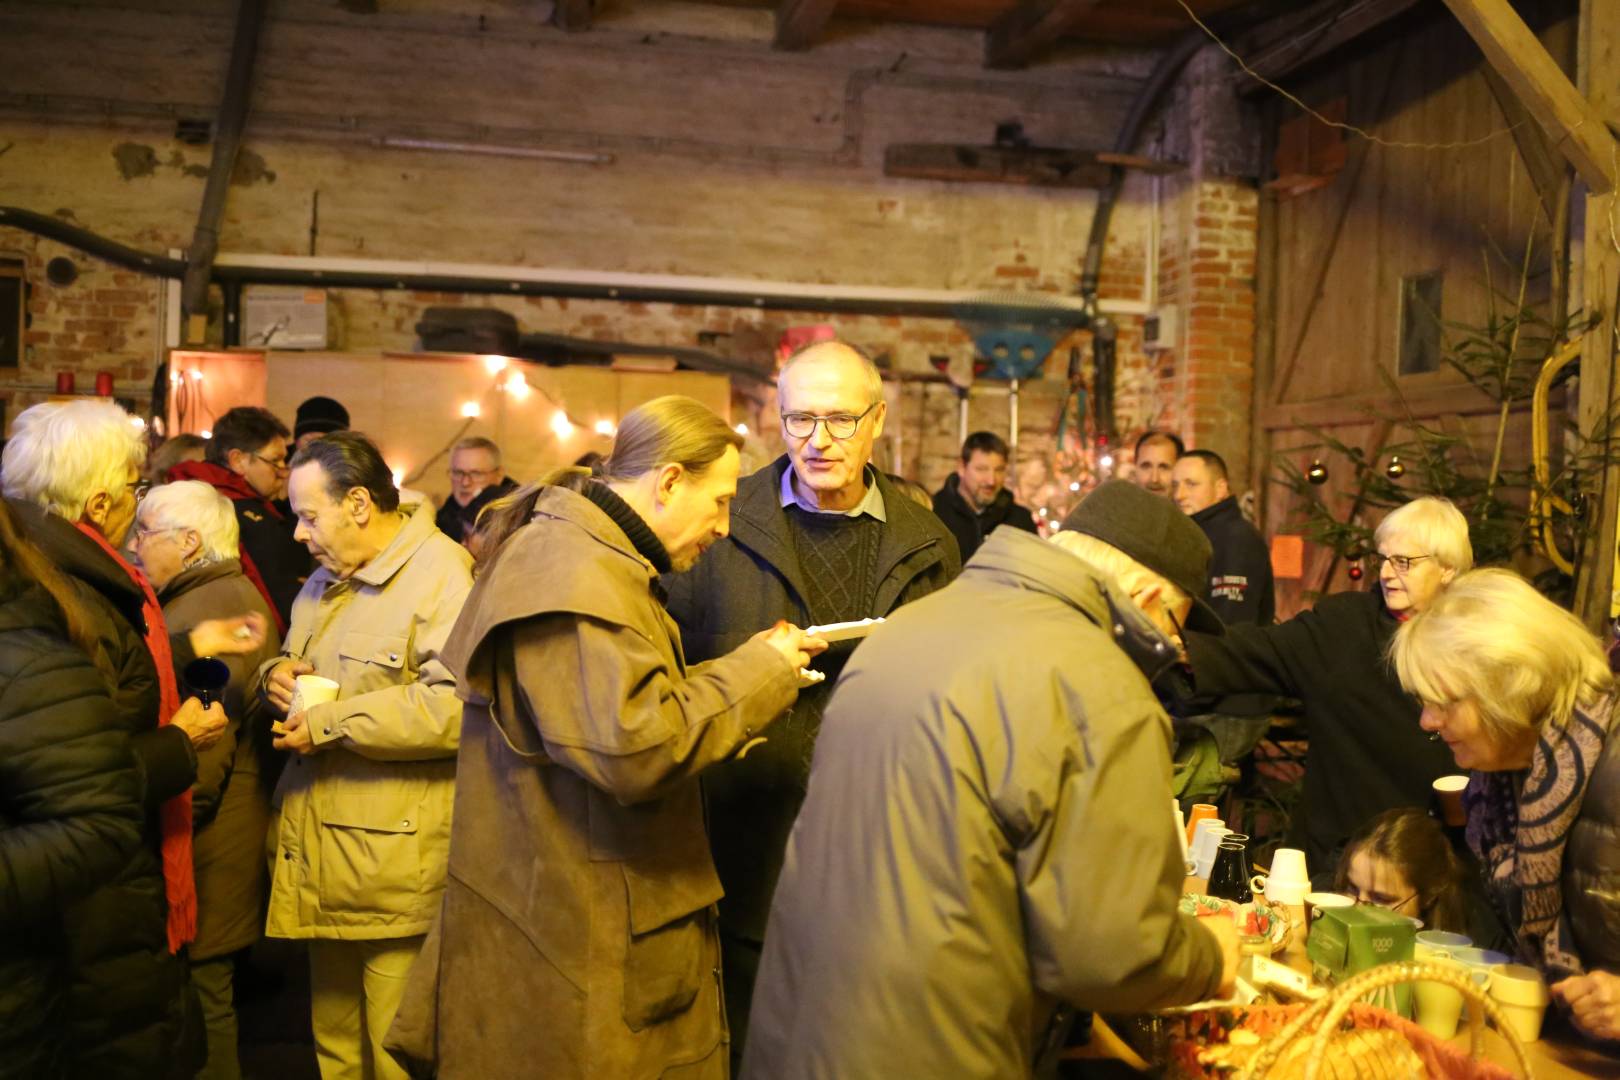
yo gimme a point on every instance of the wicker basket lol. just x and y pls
(1302, 1048)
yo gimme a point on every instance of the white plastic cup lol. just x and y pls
(1521, 995)
(1209, 844)
(311, 690)
(1439, 1007)
(1288, 864)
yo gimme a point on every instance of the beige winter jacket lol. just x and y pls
(364, 827)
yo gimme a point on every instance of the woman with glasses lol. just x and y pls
(1367, 753)
(1521, 694)
(186, 540)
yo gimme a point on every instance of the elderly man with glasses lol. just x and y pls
(819, 536)
(246, 461)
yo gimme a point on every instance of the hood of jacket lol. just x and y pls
(1026, 561)
(224, 481)
(80, 557)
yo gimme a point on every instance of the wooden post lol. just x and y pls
(1600, 285)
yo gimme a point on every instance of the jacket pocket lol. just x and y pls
(664, 956)
(371, 857)
(372, 661)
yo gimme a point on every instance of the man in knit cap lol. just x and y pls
(817, 537)
(318, 416)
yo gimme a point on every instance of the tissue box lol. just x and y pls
(1348, 941)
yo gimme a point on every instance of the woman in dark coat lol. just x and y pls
(186, 540)
(1520, 693)
(70, 472)
(70, 797)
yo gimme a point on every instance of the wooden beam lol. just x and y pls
(1571, 122)
(1445, 399)
(1311, 35)
(1037, 166)
(1030, 29)
(799, 23)
(1545, 165)
(573, 15)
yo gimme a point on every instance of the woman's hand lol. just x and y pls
(229, 637)
(203, 726)
(796, 646)
(1594, 1001)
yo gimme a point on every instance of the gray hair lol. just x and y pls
(1435, 525)
(478, 442)
(825, 350)
(62, 453)
(194, 505)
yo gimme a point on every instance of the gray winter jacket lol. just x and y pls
(987, 835)
(1592, 865)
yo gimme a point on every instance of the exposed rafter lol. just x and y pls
(1030, 29)
(1287, 44)
(799, 23)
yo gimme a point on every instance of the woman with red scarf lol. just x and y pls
(70, 471)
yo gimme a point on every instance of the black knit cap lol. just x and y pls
(320, 415)
(1153, 531)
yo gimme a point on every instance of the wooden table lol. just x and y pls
(1556, 1058)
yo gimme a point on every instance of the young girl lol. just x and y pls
(1401, 860)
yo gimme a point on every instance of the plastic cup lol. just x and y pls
(1521, 995)
(1288, 864)
(1448, 790)
(1439, 1007)
(1200, 812)
(1315, 902)
(1208, 844)
(311, 690)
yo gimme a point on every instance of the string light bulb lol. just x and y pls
(518, 386)
(741, 429)
(470, 410)
(137, 423)
(399, 477)
(205, 433)
(561, 426)
(1106, 462)
(494, 364)
(196, 375)
(605, 428)
(1074, 485)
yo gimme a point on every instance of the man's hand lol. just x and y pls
(1594, 1002)
(203, 726)
(294, 735)
(1225, 931)
(229, 637)
(794, 644)
(279, 684)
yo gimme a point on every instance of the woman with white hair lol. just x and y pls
(70, 471)
(186, 539)
(1521, 694)
(1366, 753)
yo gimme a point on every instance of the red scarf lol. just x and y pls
(234, 487)
(179, 887)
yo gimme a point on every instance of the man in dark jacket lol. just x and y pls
(817, 537)
(1241, 589)
(247, 463)
(975, 498)
(988, 834)
(476, 480)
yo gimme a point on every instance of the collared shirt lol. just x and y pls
(871, 504)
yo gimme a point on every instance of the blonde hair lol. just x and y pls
(1491, 639)
(1435, 525)
(192, 504)
(60, 454)
(1114, 563)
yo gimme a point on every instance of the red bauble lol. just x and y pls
(1355, 573)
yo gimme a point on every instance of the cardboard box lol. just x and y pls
(1348, 941)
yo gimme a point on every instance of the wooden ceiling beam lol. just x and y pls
(1570, 121)
(799, 23)
(573, 15)
(1290, 43)
(1030, 29)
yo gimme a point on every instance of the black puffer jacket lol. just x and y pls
(1592, 862)
(70, 818)
(970, 526)
(128, 996)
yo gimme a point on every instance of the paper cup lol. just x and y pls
(1448, 791)
(1522, 996)
(1439, 1007)
(311, 690)
(1315, 902)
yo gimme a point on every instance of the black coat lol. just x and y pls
(70, 819)
(456, 521)
(970, 527)
(743, 585)
(1367, 753)
(282, 562)
(1241, 589)
(128, 994)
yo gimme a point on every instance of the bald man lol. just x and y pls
(819, 536)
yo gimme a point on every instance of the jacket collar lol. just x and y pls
(419, 525)
(224, 481)
(78, 556)
(1214, 511)
(760, 524)
(198, 576)
(1029, 562)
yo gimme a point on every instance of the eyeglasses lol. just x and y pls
(143, 535)
(1376, 899)
(1401, 563)
(471, 474)
(140, 489)
(839, 426)
(279, 464)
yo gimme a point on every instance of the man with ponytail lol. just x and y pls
(577, 934)
(818, 537)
